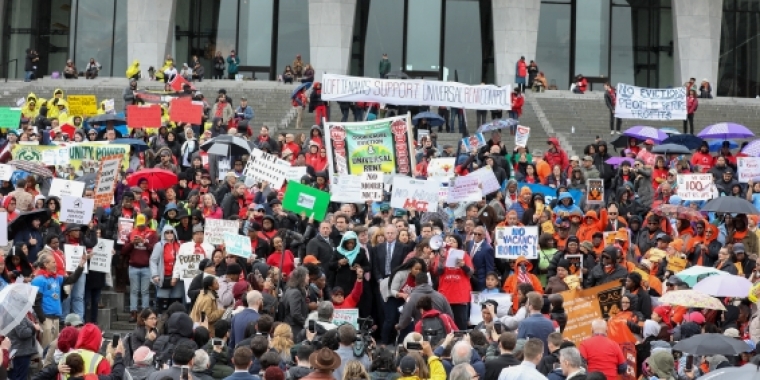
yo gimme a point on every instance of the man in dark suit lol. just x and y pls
(482, 258)
(507, 343)
(386, 257)
(241, 359)
(182, 357)
(321, 246)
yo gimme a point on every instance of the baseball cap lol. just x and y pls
(310, 259)
(575, 158)
(140, 220)
(663, 236)
(739, 247)
(197, 228)
(143, 355)
(337, 290)
(731, 333)
(385, 207)
(73, 320)
(588, 158)
(408, 365)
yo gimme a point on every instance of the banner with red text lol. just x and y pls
(695, 187)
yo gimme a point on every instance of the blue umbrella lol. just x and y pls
(498, 124)
(432, 118)
(715, 145)
(302, 86)
(690, 141)
(670, 131)
(136, 144)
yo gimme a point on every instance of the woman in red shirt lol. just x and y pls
(454, 282)
(274, 259)
(209, 208)
(660, 172)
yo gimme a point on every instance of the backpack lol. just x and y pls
(164, 348)
(433, 330)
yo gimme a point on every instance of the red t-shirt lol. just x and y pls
(170, 256)
(602, 354)
(408, 285)
(287, 265)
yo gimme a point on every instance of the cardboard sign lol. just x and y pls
(73, 255)
(464, 189)
(342, 316)
(695, 187)
(102, 254)
(10, 117)
(650, 103)
(76, 210)
(487, 180)
(420, 195)
(305, 199)
(83, 105)
(60, 187)
(213, 231)
(475, 141)
(748, 169)
(125, 227)
(584, 306)
(594, 191)
(238, 245)
(105, 183)
(186, 111)
(6, 171)
(521, 136)
(144, 116)
(263, 166)
(441, 167)
(609, 237)
(372, 186)
(513, 242)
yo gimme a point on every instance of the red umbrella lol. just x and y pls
(158, 179)
(681, 212)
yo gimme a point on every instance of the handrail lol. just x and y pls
(15, 67)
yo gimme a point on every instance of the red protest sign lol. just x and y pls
(178, 84)
(144, 116)
(185, 110)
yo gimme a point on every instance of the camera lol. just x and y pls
(363, 342)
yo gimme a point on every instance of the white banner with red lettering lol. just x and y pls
(695, 187)
(748, 169)
(419, 194)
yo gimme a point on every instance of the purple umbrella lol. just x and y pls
(724, 286)
(617, 161)
(752, 149)
(643, 133)
(725, 131)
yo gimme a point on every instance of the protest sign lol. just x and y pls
(464, 189)
(453, 256)
(443, 192)
(294, 173)
(84, 157)
(383, 145)
(73, 255)
(82, 105)
(441, 167)
(186, 267)
(504, 300)
(748, 169)
(10, 117)
(549, 192)
(76, 209)
(110, 106)
(422, 134)
(105, 183)
(60, 187)
(694, 187)
(144, 116)
(372, 186)
(676, 264)
(521, 136)
(263, 166)
(487, 180)
(342, 316)
(420, 195)
(3, 228)
(586, 305)
(238, 245)
(157, 97)
(473, 143)
(185, 110)
(6, 171)
(594, 191)
(347, 189)
(650, 103)
(414, 92)
(125, 227)
(305, 199)
(102, 254)
(213, 231)
(513, 242)
(609, 237)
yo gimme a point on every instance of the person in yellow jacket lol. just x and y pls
(62, 107)
(410, 370)
(167, 64)
(53, 108)
(30, 110)
(133, 71)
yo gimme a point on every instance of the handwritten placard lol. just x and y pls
(238, 245)
(420, 195)
(342, 316)
(83, 105)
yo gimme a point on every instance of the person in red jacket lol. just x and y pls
(702, 160)
(425, 305)
(521, 73)
(555, 155)
(517, 103)
(88, 345)
(691, 107)
(581, 84)
(338, 297)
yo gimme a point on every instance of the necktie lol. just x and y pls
(388, 257)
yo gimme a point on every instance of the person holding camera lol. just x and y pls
(347, 352)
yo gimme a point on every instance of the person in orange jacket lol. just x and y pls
(591, 225)
(522, 274)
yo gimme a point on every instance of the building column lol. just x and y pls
(150, 29)
(696, 35)
(515, 34)
(331, 30)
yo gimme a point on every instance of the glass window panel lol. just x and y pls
(423, 35)
(94, 35)
(591, 37)
(665, 68)
(622, 46)
(553, 48)
(463, 49)
(385, 34)
(20, 17)
(120, 40)
(255, 45)
(726, 66)
(293, 33)
(226, 39)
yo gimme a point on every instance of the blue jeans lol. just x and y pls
(139, 285)
(358, 114)
(74, 303)
(28, 76)
(92, 299)
(20, 369)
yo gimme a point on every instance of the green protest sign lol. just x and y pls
(10, 117)
(301, 198)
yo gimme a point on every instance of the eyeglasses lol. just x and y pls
(477, 234)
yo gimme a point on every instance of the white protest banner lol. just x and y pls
(125, 227)
(186, 268)
(61, 187)
(521, 136)
(695, 187)
(73, 255)
(413, 92)
(748, 169)
(650, 103)
(504, 300)
(295, 173)
(513, 242)
(213, 231)
(372, 186)
(76, 210)
(443, 192)
(347, 188)
(102, 254)
(238, 245)
(441, 167)
(263, 166)
(464, 189)
(105, 183)
(486, 179)
(420, 195)
(342, 316)
(109, 106)
(3, 228)
(6, 171)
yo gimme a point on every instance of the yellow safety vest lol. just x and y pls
(91, 361)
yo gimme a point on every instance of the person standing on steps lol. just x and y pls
(610, 99)
(521, 73)
(385, 66)
(691, 108)
(233, 61)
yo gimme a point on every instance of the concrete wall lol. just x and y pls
(331, 28)
(150, 32)
(696, 33)
(515, 34)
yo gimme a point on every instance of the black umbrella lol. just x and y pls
(690, 141)
(671, 149)
(711, 344)
(734, 205)
(226, 145)
(107, 117)
(621, 141)
(24, 220)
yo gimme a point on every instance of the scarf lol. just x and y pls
(44, 273)
(739, 236)
(522, 276)
(351, 255)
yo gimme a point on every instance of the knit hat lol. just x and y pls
(588, 246)
(714, 360)
(274, 373)
(662, 364)
(67, 339)
(197, 228)
(203, 264)
(239, 289)
(143, 355)
(695, 317)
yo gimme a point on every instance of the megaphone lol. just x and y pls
(436, 242)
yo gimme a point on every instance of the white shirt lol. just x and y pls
(525, 371)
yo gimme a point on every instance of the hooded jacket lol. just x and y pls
(587, 230)
(510, 286)
(600, 275)
(157, 255)
(556, 158)
(560, 207)
(179, 331)
(89, 339)
(53, 111)
(410, 309)
(31, 112)
(343, 275)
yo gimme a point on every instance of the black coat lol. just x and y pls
(344, 276)
(495, 365)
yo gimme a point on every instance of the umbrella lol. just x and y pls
(497, 124)
(715, 145)
(15, 301)
(724, 286)
(691, 298)
(642, 133)
(397, 75)
(617, 161)
(24, 220)
(226, 145)
(711, 344)
(692, 274)
(621, 141)
(734, 205)
(107, 117)
(670, 131)
(302, 86)
(136, 144)
(681, 212)
(432, 118)
(671, 149)
(690, 141)
(158, 179)
(88, 179)
(726, 131)
(748, 371)
(752, 149)
(32, 167)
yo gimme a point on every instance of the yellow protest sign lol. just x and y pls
(583, 306)
(676, 264)
(83, 105)
(655, 255)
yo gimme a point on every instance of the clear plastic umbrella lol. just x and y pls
(15, 301)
